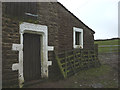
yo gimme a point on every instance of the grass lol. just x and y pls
(108, 42)
(94, 72)
(107, 49)
(93, 76)
(85, 79)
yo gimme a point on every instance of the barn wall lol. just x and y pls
(65, 32)
(48, 15)
(10, 35)
(60, 35)
(15, 9)
(11, 21)
(12, 16)
(60, 24)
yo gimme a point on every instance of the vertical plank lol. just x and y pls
(72, 65)
(89, 59)
(74, 59)
(82, 59)
(96, 49)
(65, 63)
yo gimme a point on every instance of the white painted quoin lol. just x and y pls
(80, 37)
(42, 30)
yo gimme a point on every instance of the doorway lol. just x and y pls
(31, 57)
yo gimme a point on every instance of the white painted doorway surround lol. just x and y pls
(42, 30)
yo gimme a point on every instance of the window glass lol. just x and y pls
(77, 38)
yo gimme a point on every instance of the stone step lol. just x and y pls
(33, 82)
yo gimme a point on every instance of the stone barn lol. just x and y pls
(43, 40)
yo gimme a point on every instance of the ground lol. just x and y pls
(105, 76)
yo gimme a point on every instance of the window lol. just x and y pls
(77, 37)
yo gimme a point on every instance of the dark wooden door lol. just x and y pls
(31, 57)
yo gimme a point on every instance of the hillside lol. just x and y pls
(109, 45)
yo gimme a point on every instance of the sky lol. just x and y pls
(100, 15)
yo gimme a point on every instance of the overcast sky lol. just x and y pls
(99, 15)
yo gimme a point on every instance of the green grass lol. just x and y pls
(107, 49)
(108, 42)
(94, 72)
(94, 75)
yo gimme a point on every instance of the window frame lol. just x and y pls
(80, 30)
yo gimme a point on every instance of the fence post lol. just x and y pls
(96, 50)
(96, 55)
(88, 61)
(65, 63)
(74, 60)
(81, 59)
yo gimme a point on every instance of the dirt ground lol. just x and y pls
(110, 59)
(105, 76)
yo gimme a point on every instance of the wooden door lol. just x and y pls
(31, 57)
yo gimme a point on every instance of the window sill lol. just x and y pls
(78, 46)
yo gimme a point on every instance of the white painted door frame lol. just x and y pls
(36, 29)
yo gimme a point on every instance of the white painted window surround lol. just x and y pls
(74, 37)
(42, 30)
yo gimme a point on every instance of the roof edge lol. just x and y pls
(75, 17)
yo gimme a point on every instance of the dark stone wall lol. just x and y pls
(16, 9)
(65, 32)
(48, 16)
(59, 20)
(10, 35)
(60, 24)
(10, 31)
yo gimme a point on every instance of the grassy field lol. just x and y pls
(108, 42)
(92, 77)
(101, 77)
(108, 45)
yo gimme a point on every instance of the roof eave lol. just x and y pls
(76, 17)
